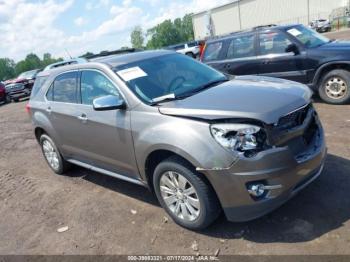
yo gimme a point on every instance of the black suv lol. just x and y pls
(292, 52)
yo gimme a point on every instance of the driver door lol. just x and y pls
(104, 136)
(274, 61)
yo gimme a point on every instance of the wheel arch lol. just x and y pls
(324, 69)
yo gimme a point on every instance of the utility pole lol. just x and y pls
(239, 14)
(308, 12)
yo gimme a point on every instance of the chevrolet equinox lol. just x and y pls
(201, 141)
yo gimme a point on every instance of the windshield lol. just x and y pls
(308, 37)
(167, 76)
(28, 74)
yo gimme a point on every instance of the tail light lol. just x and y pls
(28, 108)
(202, 52)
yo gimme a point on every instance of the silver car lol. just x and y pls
(201, 141)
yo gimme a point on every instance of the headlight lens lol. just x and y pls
(238, 137)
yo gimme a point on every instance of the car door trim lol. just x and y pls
(106, 172)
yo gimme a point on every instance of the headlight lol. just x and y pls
(244, 138)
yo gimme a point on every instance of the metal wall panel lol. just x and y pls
(225, 19)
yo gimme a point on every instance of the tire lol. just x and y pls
(190, 54)
(16, 100)
(335, 87)
(207, 207)
(8, 99)
(62, 165)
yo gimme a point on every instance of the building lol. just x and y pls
(242, 14)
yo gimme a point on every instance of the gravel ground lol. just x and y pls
(108, 216)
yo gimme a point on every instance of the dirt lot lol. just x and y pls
(34, 203)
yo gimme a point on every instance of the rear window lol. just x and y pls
(65, 88)
(212, 51)
(39, 82)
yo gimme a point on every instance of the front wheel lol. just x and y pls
(8, 99)
(334, 87)
(185, 195)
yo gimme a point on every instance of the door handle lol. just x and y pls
(83, 118)
(49, 110)
(227, 66)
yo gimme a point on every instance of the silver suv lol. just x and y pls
(202, 142)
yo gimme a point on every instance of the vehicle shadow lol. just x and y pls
(136, 191)
(318, 209)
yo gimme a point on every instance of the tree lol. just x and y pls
(169, 32)
(137, 38)
(32, 61)
(7, 69)
(87, 54)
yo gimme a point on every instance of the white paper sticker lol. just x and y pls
(294, 32)
(131, 73)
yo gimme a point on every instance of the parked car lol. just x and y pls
(321, 25)
(191, 49)
(21, 86)
(2, 93)
(66, 62)
(292, 52)
(202, 142)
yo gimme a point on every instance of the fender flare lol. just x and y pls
(318, 75)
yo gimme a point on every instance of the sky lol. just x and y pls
(78, 26)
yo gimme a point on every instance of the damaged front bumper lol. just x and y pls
(282, 171)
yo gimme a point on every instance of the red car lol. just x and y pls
(21, 86)
(2, 93)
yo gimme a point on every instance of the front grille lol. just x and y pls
(293, 119)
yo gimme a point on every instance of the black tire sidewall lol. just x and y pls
(343, 74)
(204, 218)
(60, 169)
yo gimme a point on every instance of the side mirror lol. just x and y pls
(109, 102)
(292, 48)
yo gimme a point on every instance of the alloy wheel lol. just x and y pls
(180, 196)
(51, 154)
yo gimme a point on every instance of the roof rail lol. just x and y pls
(115, 52)
(263, 26)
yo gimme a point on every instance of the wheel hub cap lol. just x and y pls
(336, 88)
(180, 196)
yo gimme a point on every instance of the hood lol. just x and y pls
(16, 80)
(251, 97)
(336, 45)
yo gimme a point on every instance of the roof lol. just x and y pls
(254, 29)
(117, 60)
(69, 61)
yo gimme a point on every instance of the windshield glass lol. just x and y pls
(28, 74)
(172, 74)
(308, 37)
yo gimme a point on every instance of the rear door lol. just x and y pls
(63, 99)
(238, 56)
(274, 61)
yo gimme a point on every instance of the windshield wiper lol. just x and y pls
(159, 99)
(203, 87)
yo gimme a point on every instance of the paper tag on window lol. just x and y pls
(131, 73)
(294, 32)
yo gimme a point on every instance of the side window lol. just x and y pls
(93, 85)
(241, 46)
(65, 88)
(49, 94)
(39, 82)
(273, 43)
(212, 51)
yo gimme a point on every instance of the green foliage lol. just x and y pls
(9, 69)
(137, 37)
(171, 32)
